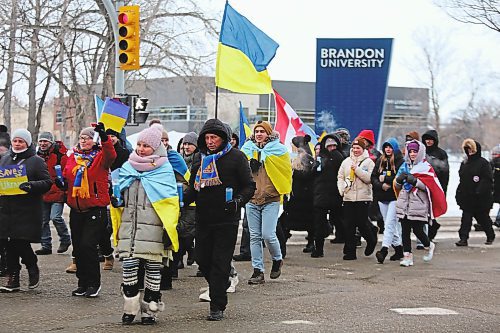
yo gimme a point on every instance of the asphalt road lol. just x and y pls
(312, 295)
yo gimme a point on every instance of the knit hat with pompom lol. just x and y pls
(151, 136)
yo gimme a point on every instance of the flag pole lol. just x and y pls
(269, 108)
(216, 100)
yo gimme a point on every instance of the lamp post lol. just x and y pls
(113, 18)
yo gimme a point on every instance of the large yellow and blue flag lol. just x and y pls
(243, 55)
(245, 130)
(114, 114)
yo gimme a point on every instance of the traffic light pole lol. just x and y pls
(119, 73)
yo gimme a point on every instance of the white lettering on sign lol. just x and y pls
(352, 58)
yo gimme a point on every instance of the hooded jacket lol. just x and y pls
(438, 158)
(56, 155)
(495, 166)
(233, 171)
(361, 188)
(389, 173)
(21, 215)
(474, 192)
(326, 192)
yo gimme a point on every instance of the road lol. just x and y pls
(461, 285)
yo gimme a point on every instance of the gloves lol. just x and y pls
(99, 128)
(232, 206)
(385, 186)
(115, 202)
(26, 187)
(411, 179)
(61, 184)
(401, 178)
(254, 165)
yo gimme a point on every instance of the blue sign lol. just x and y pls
(351, 84)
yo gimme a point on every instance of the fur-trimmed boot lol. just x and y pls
(131, 304)
(150, 306)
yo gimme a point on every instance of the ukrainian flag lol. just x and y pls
(114, 114)
(243, 55)
(245, 131)
(178, 164)
(161, 189)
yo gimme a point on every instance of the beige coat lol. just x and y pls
(361, 188)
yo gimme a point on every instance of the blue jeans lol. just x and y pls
(392, 227)
(53, 211)
(262, 220)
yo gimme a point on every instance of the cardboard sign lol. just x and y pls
(11, 176)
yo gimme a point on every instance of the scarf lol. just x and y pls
(207, 174)
(146, 163)
(80, 171)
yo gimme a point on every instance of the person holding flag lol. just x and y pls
(272, 172)
(420, 199)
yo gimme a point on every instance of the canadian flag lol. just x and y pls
(288, 123)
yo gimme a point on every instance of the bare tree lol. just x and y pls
(10, 51)
(479, 12)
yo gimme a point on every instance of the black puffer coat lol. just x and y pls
(326, 192)
(495, 164)
(378, 193)
(21, 215)
(474, 192)
(233, 170)
(438, 158)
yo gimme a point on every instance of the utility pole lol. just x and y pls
(113, 18)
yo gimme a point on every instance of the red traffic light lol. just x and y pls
(123, 18)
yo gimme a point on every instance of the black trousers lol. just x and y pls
(418, 230)
(86, 231)
(19, 248)
(105, 240)
(482, 217)
(245, 238)
(355, 215)
(214, 251)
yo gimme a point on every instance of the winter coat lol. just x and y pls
(233, 171)
(56, 155)
(474, 192)
(326, 192)
(21, 215)
(495, 163)
(97, 176)
(299, 203)
(361, 188)
(389, 174)
(413, 204)
(141, 230)
(122, 155)
(438, 158)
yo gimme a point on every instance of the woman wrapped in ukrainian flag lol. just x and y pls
(146, 228)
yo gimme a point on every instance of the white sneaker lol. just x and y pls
(429, 253)
(234, 282)
(205, 296)
(407, 260)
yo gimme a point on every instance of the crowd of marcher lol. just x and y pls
(158, 205)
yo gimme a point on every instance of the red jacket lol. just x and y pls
(97, 175)
(55, 155)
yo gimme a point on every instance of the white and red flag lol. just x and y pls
(426, 174)
(288, 123)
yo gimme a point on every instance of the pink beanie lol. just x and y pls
(151, 136)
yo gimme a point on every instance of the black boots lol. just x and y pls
(398, 254)
(309, 247)
(381, 255)
(318, 248)
(33, 276)
(13, 283)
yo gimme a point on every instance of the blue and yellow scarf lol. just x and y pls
(81, 183)
(207, 174)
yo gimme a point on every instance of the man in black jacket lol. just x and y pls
(474, 193)
(220, 170)
(438, 158)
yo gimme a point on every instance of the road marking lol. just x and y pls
(295, 322)
(424, 311)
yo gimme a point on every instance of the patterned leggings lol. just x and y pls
(152, 268)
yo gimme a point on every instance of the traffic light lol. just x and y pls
(128, 40)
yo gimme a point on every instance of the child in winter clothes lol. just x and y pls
(147, 231)
(383, 176)
(417, 183)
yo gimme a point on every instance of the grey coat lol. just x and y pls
(141, 230)
(413, 205)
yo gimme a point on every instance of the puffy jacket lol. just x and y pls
(56, 155)
(21, 215)
(474, 192)
(141, 230)
(495, 164)
(97, 176)
(361, 188)
(413, 204)
(326, 192)
(389, 173)
(438, 158)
